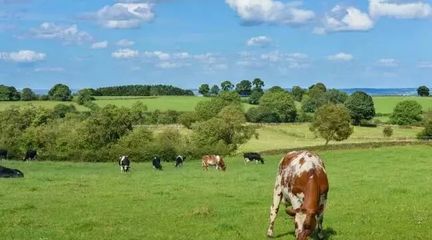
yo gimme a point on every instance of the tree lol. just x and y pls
(315, 98)
(60, 110)
(208, 109)
(281, 103)
(8, 93)
(204, 89)
(319, 86)
(298, 93)
(227, 86)
(255, 97)
(27, 94)
(423, 91)
(276, 89)
(262, 115)
(335, 96)
(406, 113)
(332, 122)
(258, 84)
(84, 96)
(361, 107)
(60, 92)
(388, 131)
(244, 88)
(215, 90)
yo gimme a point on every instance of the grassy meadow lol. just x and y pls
(374, 194)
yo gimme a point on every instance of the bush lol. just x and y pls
(187, 119)
(60, 92)
(280, 103)
(255, 97)
(388, 131)
(407, 113)
(361, 107)
(426, 133)
(84, 96)
(262, 115)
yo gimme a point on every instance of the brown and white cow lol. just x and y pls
(213, 160)
(302, 183)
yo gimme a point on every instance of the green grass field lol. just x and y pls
(374, 194)
(47, 104)
(385, 105)
(286, 136)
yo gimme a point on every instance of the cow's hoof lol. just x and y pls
(270, 233)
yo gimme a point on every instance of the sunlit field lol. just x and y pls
(46, 104)
(374, 194)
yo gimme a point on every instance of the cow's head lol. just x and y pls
(222, 164)
(305, 222)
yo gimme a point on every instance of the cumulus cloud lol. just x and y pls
(341, 57)
(67, 34)
(125, 53)
(270, 11)
(424, 65)
(259, 41)
(128, 14)
(398, 9)
(345, 19)
(22, 56)
(125, 43)
(99, 45)
(388, 62)
(274, 58)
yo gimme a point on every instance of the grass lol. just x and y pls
(285, 136)
(386, 104)
(374, 194)
(46, 104)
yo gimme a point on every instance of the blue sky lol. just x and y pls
(362, 43)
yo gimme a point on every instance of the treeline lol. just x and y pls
(142, 90)
(103, 134)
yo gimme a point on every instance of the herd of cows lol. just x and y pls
(301, 185)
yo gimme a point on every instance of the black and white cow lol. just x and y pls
(157, 163)
(30, 155)
(10, 173)
(3, 154)
(124, 163)
(179, 160)
(253, 156)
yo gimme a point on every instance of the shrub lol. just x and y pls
(388, 131)
(361, 107)
(187, 119)
(281, 103)
(60, 92)
(262, 115)
(426, 133)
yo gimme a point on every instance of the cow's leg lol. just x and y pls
(277, 197)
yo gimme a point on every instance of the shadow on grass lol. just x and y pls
(328, 233)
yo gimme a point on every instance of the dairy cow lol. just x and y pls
(213, 160)
(124, 163)
(301, 183)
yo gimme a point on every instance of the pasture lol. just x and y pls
(386, 104)
(374, 194)
(46, 104)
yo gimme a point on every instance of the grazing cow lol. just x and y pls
(30, 155)
(302, 183)
(253, 156)
(213, 160)
(124, 164)
(179, 160)
(157, 163)
(10, 173)
(3, 154)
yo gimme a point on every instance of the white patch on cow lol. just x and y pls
(295, 200)
(310, 162)
(300, 219)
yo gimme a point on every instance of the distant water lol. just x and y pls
(370, 91)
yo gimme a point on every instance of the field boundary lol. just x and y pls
(349, 146)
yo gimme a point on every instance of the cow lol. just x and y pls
(30, 155)
(10, 173)
(213, 160)
(302, 183)
(157, 163)
(179, 160)
(124, 163)
(3, 154)
(253, 156)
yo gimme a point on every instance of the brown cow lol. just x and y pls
(302, 183)
(213, 160)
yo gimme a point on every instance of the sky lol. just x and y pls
(344, 44)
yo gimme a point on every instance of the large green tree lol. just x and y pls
(60, 92)
(227, 86)
(27, 95)
(84, 96)
(9, 93)
(258, 84)
(332, 122)
(361, 107)
(423, 91)
(406, 113)
(298, 93)
(244, 88)
(281, 103)
(204, 89)
(214, 90)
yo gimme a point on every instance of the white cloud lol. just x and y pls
(259, 41)
(125, 15)
(345, 19)
(397, 9)
(125, 43)
(424, 65)
(388, 62)
(125, 53)
(270, 11)
(341, 57)
(67, 34)
(100, 45)
(22, 56)
(277, 59)
(49, 69)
